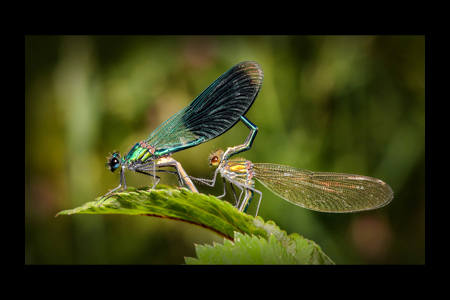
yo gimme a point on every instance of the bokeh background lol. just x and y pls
(351, 104)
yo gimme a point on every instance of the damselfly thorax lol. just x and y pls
(240, 171)
(140, 153)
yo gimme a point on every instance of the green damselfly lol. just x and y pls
(319, 191)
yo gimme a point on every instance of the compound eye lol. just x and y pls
(215, 161)
(113, 163)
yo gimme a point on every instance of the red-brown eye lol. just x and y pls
(215, 161)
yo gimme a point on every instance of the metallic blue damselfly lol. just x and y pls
(218, 108)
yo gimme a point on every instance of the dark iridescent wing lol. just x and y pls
(322, 191)
(213, 112)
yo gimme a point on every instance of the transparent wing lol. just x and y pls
(213, 112)
(322, 191)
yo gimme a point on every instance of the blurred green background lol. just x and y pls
(350, 104)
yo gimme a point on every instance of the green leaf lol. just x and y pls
(244, 250)
(178, 204)
(218, 216)
(257, 250)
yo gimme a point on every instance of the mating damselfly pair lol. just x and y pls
(217, 109)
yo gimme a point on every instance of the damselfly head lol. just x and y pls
(113, 162)
(215, 157)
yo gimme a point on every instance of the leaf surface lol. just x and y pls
(255, 235)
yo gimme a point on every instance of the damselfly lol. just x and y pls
(218, 108)
(320, 191)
